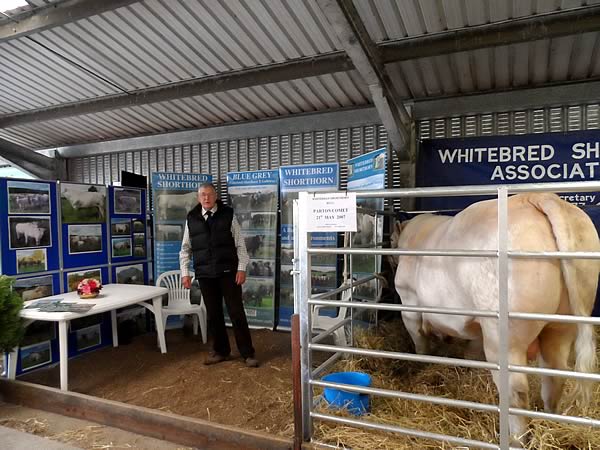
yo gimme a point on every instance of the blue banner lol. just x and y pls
(531, 158)
(174, 195)
(254, 198)
(312, 178)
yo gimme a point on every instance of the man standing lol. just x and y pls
(212, 234)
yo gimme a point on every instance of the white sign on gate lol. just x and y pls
(332, 212)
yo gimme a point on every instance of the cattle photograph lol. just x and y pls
(254, 201)
(82, 203)
(73, 278)
(139, 251)
(287, 254)
(121, 247)
(28, 198)
(29, 232)
(260, 246)
(120, 227)
(260, 268)
(258, 293)
(324, 277)
(286, 278)
(34, 288)
(168, 232)
(84, 239)
(31, 260)
(174, 205)
(35, 355)
(133, 274)
(127, 201)
(88, 337)
(138, 226)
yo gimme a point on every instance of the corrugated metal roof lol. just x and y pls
(23, 11)
(159, 42)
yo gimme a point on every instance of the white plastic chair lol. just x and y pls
(323, 323)
(179, 302)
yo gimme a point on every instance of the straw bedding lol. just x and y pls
(449, 382)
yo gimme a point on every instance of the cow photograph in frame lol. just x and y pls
(25, 197)
(82, 203)
(29, 232)
(35, 355)
(127, 201)
(120, 227)
(88, 337)
(34, 288)
(132, 274)
(121, 247)
(84, 238)
(33, 260)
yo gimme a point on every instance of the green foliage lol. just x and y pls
(11, 325)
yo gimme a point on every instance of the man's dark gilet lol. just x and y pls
(213, 245)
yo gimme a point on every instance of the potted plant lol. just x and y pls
(11, 324)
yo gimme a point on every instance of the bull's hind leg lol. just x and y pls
(517, 385)
(556, 341)
(413, 323)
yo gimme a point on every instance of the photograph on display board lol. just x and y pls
(133, 274)
(26, 197)
(323, 278)
(35, 355)
(120, 227)
(257, 220)
(39, 331)
(128, 201)
(260, 268)
(82, 203)
(121, 247)
(286, 278)
(254, 201)
(88, 337)
(169, 232)
(139, 251)
(31, 260)
(34, 288)
(260, 245)
(139, 239)
(138, 226)
(29, 232)
(84, 238)
(174, 205)
(73, 278)
(258, 293)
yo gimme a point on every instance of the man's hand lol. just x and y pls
(240, 277)
(187, 282)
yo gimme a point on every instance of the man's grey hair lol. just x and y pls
(207, 186)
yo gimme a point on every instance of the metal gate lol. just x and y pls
(304, 302)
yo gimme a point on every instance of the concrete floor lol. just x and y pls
(24, 428)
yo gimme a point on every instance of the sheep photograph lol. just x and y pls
(120, 227)
(29, 232)
(35, 355)
(121, 247)
(28, 198)
(73, 278)
(84, 238)
(128, 201)
(31, 260)
(82, 203)
(34, 288)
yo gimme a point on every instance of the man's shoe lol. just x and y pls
(251, 362)
(214, 358)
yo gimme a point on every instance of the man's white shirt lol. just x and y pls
(185, 255)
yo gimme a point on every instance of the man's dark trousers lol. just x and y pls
(214, 291)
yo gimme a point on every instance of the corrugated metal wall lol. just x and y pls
(218, 158)
(539, 120)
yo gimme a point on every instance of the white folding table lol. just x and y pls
(111, 298)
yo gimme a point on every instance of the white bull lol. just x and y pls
(83, 199)
(185, 201)
(30, 231)
(537, 222)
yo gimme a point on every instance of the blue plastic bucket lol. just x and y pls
(355, 402)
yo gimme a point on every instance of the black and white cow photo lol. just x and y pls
(28, 197)
(85, 238)
(128, 201)
(29, 231)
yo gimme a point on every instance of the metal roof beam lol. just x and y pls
(351, 31)
(38, 165)
(57, 14)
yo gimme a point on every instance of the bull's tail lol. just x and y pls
(574, 231)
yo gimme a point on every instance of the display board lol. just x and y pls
(127, 224)
(367, 172)
(293, 179)
(532, 158)
(173, 196)
(254, 198)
